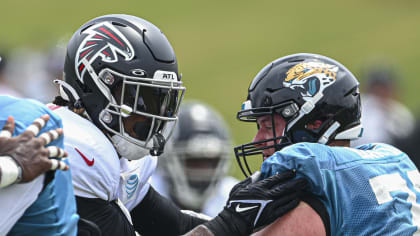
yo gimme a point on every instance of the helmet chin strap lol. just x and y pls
(64, 90)
(327, 134)
(159, 141)
(62, 84)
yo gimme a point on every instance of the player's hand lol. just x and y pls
(29, 151)
(253, 205)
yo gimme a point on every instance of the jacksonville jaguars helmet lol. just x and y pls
(118, 66)
(198, 155)
(302, 88)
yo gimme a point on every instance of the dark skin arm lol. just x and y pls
(29, 151)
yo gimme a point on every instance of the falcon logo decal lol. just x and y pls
(310, 78)
(104, 41)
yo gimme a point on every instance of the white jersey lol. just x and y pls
(97, 171)
(214, 203)
(217, 201)
(15, 199)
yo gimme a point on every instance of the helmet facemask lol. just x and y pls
(196, 166)
(122, 69)
(198, 155)
(317, 97)
(297, 129)
(280, 140)
(156, 100)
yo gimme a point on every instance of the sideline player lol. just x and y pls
(193, 171)
(41, 204)
(119, 101)
(307, 110)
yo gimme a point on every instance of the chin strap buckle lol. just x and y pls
(326, 136)
(158, 145)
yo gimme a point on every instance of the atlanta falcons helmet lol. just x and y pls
(198, 155)
(118, 66)
(302, 88)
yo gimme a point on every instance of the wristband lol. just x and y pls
(11, 172)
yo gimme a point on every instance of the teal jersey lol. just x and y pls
(373, 189)
(54, 210)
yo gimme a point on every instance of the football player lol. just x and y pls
(119, 101)
(307, 110)
(193, 170)
(41, 204)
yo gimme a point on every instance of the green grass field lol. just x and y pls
(221, 45)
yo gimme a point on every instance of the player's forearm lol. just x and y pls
(163, 218)
(200, 230)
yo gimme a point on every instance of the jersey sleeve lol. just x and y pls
(305, 158)
(135, 180)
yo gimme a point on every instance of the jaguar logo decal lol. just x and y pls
(310, 78)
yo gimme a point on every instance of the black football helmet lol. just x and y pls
(302, 88)
(198, 155)
(121, 65)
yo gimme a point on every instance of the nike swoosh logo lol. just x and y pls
(88, 162)
(241, 209)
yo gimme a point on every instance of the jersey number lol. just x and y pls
(383, 185)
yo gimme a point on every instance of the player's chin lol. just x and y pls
(266, 155)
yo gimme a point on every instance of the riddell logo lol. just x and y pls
(88, 162)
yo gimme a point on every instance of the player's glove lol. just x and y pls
(253, 205)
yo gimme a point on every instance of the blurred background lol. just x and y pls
(221, 46)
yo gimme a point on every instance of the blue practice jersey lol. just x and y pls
(373, 189)
(54, 210)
